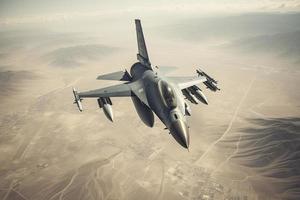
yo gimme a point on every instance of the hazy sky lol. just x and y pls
(16, 11)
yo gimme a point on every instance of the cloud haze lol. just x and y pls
(37, 11)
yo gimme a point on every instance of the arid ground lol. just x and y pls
(245, 144)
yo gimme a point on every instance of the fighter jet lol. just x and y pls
(152, 91)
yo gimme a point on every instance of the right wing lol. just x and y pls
(189, 88)
(187, 81)
(121, 90)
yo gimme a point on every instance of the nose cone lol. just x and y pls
(180, 132)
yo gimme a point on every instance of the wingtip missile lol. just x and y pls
(77, 100)
(210, 82)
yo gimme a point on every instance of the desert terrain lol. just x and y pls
(245, 144)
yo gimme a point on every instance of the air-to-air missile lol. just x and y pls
(187, 93)
(196, 91)
(77, 100)
(210, 83)
(105, 103)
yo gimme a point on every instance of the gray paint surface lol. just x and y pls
(151, 91)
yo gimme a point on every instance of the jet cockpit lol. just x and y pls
(167, 94)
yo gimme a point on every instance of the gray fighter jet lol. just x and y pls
(151, 91)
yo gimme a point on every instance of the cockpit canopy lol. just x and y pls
(167, 94)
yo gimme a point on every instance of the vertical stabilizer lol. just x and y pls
(142, 55)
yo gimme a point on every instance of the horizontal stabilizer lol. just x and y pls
(117, 76)
(166, 69)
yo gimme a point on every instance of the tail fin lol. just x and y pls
(142, 56)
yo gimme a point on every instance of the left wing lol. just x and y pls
(103, 95)
(121, 90)
(187, 81)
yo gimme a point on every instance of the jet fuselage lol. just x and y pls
(153, 92)
(165, 100)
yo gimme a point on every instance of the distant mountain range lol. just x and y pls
(11, 81)
(74, 56)
(232, 27)
(277, 34)
(284, 45)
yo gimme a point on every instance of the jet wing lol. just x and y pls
(117, 76)
(187, 81)
(121, 90)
